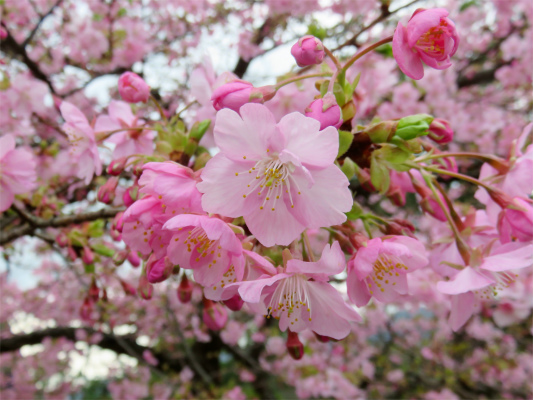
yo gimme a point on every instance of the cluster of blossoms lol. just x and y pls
(306, 206)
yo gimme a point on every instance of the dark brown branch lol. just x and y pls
(33, 222)
(41, 19)
(485, 76)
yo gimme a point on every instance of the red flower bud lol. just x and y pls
(106, 193)
(294, 346)
(440, 131)
(326, 111)
(184, 290)
(116, 167)
(235, 303)
(87, 255)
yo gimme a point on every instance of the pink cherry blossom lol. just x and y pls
(17, 171)
(208, 246)
(516, 221)
(301, 297)
(430, 37)
(133, 88)
(129, 141)
(82, 141)
(379, 268)
(484, 278)
(279, 177)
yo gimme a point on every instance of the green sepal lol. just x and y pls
(345, 141)
(413, 126)
(355, 212)
(199, 129)
(348, 168)
(102, 249)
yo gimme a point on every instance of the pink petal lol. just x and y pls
(513, 255)
(422, 22)
(407, 59)
(251, 291)
(244, 137)
(357, 290)
(105, 123)
(466, 280)
(314, 148)
(120, 110)
(7, 143)
(72, 114)
(462, 310)
(332, 262)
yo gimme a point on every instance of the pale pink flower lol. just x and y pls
(484, 278)
(516, 221)
(129, 141)
(429, 37)
(82, 141)
(208, 246)
(279, 177)
(17, 171)
(301, 297)
(379, 268)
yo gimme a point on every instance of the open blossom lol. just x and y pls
(379, 268)
(208, 246)
(82, 141)
(429, 37)
(300, 296)
(279, 177)
(487, 275)
(17, 171)
(516, 221)
(129, 141)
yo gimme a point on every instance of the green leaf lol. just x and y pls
(96, 228)
(89, 268)
(102, 249)
(355, 212)
(379, 174)
(467, 4)
(122, 12)
(413, 126)
(345, 141)
(199, 129)
(339, 94)
(316, 31)
(385, 50)
(348, 167)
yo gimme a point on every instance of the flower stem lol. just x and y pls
(333, 58)
(308, 246)
(299, 78)
(161, 111)
(360, 54)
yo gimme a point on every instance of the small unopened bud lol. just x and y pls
(133, 88)
(323, 339)
(86, 310)
(72, 255)
(326, 111)
(398, 226)
(214, 316)
(106, 193)
(87, 255)
(134, 259)
(145, 288)
(94, 291)
(119, 257)
(128, 289)
(184, 290)
(358, 240)
(235, 303)
(158, 270)
(440, 131)
(294, 346)
(363, 176)
(308, 50)
(116, 167)
(118, 221)
(235, 94)
(138, 169)
(130, 195)
(62, 239)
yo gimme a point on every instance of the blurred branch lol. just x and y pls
(41, 19)
(33, 222)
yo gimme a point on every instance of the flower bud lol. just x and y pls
(128, 289)
(3, 33)
(118, 221)
(134, 259)
(235, 94)
(363, 176)
(413, 126)
(294, 346)
(235, 303)
(106, 193)
(382, 132)
(184, 290)
(119, 257)
(516, 221)
(397, 226)
(323, 339)
(86, 310)
(94, 291)
(133, 88)
(145, 289)
(440, 131)
(214, 315)
(326, 111)
(138, 170)
(116, 167)
(87, 255)
(72, 255)
(62, 239)
(130, 195)
(308, 50)
(158, 270)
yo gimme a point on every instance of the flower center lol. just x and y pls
(503, 280)
(271, 178)
(385, 267)
(197, 239)
(433, 42)
(291, 297)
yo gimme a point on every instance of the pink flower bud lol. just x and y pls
(440, 131)
(294, 346)
(86, 310)
(138, 170)
(87, 255)
(516, 221)
(133, 88)
(130, 195)
(308, 50)
(326, 111)
(106, 193)
(428, 203)
(145, 288)
(214, 315)
(184, 290)
(72, 255)
(62, 239)
(235, 94)
(323, 339)
(116, 167)
(94, 291)
(134, 259)
(118, 221)
(119, 257)
(128, 289)
(3, 33)
(158, 270)
(235, 303)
